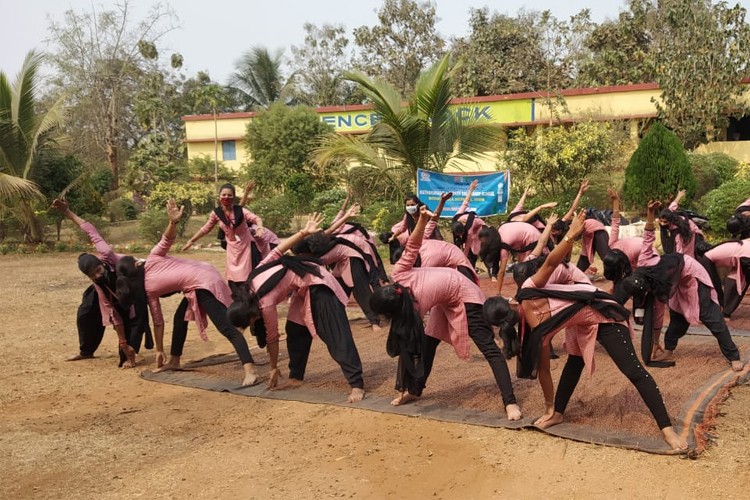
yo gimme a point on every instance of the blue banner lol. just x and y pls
(489, 198)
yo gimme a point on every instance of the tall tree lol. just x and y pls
(99, 59)
(501, 55)
(258, 80)
(404, 43)
(25, 135)
(704, 51)
(319, 66)
(424, 133)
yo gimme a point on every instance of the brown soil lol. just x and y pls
(89, 430)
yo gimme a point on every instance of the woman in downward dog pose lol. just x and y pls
(455, 307)
(205, 294)
(317, 309)
(547, 309)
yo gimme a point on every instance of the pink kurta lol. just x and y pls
(590, 226)
(519, 208)
(165, 275)
(300, 310)
(361, 242)
(435, 253)
(402, 228)
(472, 242)
(518, 235)
(264, 242)
(443, 293)
(581, 328)
(728, 255)
(685, 300)
(338, 257)
(631, 247)
(108, 256)
(239, 240)
(679, 245)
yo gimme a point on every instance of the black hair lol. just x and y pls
(661, 279)
(228, 186)
(129, 278)
(525, 270)
(559, 228)
(87, 263)
(489, 246)
(680, 222)
(497, 312)
(246, 306)
(413, 197)
(616, 266)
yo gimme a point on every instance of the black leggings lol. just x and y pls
(599, 246)
(615, 339)
(332, 327)
(362, 289)
(217, 313)
(731, 297)
(711, 316)
(481, 334)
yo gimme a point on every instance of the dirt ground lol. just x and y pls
(89, 430)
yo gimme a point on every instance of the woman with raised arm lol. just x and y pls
(317, 309)
(624, 252)
(519, 214)
(466, 226)
(403, 229)
(678, 232)
(205, 294)
(454, 305)
(234, 221)
(130, 324)
(265, 239)
(547, 309)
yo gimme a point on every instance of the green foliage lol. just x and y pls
(280, 141)
(328, 203)
(194, 196)
(152, 224)
(711, 170)
(555, 159)
(5, 249)
(275, 213)
(155, 159)
(122, 209)
(719, 204)
(203, 168)
(658, 169)
(258, 81)
(381, 216)
(299, 191)
(60, 246)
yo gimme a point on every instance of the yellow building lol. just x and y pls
(631, 103)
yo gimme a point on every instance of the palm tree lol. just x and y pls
(258, 81)
(420, 134)
(24, 137)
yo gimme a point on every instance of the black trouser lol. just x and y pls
(89, 323)
(472, 258)
(255, 256)
(492, 263)
(469, 273)
(332, 327)
(710, 315)
(217, 313)
(732, 298)
(481, 334)
(616, 341)
(362, 289)
(600, 246)
(234, 286)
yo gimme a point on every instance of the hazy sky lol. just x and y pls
(214, 33)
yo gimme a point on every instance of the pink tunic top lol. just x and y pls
(728, 255)
(519, 208)
(442, 292)
(300, 310)
(165, 274)
(110, 316)
(679, 245)
(590, 226)
(685, 300)
(239, 239)
(518, 235)
(338, 258)
(403, 229)
(631, 247)
(472, 243)
(435, 253)
(264, 242)
(581, 328)
(361, 242)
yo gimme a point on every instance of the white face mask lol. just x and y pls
(412, 209)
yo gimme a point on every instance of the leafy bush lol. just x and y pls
(712, 170)
(204, 168)
(5, 249)
(122, 209)
(60, 246)
(658, 169)
(195, 196)
(719, 204)
(152, 224)
(381, 216)
(328, 203)
(275, 212)
(41, 248)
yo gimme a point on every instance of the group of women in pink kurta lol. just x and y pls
(433, 293)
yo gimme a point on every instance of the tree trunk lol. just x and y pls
(36, 233)
(112, 161)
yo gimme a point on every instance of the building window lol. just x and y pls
(228, 150)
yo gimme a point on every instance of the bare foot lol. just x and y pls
(250, 380)
(494, 280)
(664, 355)
(656, 351)
(513, 412)
(674, 441)
(78, 357)
(128, 364)
(404, 398)
(547, 421)
(356, 395)
(292, 383)
(376, 328)
(171, 365)
(738, 365)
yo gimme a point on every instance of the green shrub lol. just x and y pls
(719, 204)
(328, 203)
(23, 248)
(5, 249)
(60, 246)
(152, 224)
(381, 216)
(195, 196)
(275, 212)
(712, 170)
(41, 248)
(122, 209)
(658, 169)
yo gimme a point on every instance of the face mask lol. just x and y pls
(227, 202)
(411, 209)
